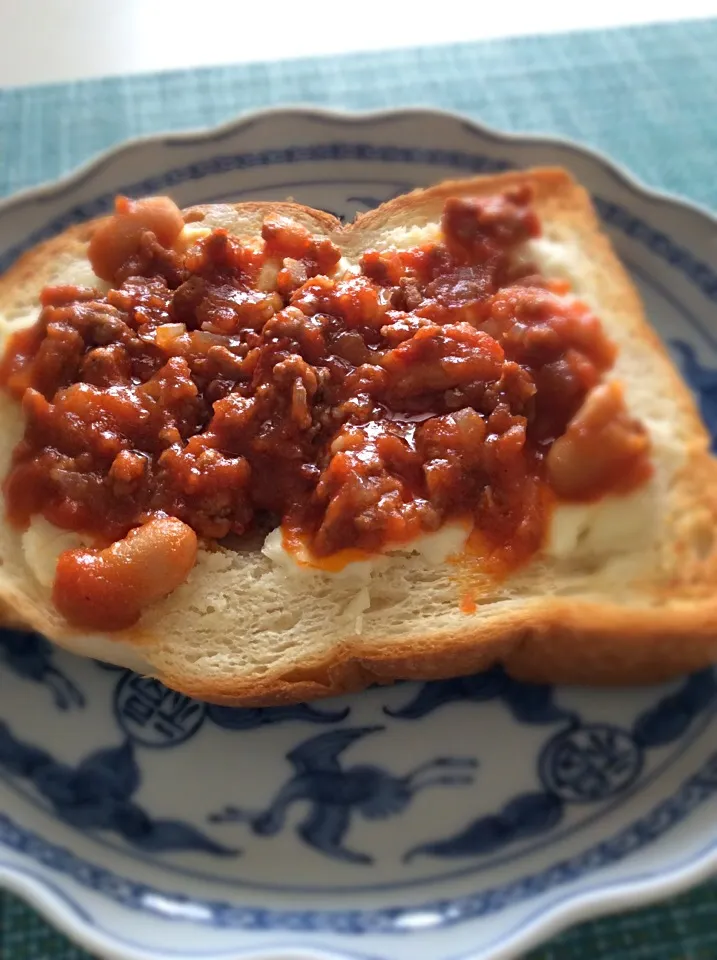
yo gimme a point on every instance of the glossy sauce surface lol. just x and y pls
(358, 409)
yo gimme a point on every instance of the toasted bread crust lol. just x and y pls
(546, 639)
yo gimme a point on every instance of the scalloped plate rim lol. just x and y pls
(59, 909)
(96, 163)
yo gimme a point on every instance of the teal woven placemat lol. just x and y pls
(647, 96)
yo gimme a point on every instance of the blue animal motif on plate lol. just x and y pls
(97, 794)
(528, 702)
(583, 763)
(336, 792)
(31, 656)
(250, 718)
(153, 715)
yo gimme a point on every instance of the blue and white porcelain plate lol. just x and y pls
(468, 818)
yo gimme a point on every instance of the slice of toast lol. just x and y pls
(625, 591)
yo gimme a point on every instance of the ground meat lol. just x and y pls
(476, 227)
(360, 410)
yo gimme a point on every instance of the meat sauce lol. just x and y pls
(219, 388)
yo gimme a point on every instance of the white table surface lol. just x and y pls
(44, 41)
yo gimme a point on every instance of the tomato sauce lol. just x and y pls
(359, 409)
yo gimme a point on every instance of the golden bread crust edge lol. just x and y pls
(553, 640)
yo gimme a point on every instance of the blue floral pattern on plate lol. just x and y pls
(480, 804)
